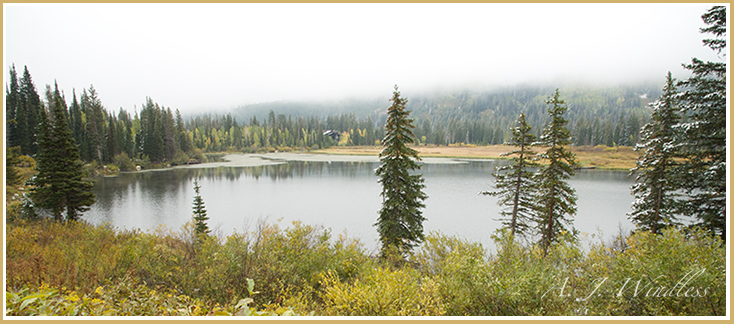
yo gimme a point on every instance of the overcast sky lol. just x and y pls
(197, 57)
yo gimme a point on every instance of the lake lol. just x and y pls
(338, 192)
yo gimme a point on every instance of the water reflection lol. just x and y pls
(339, 195)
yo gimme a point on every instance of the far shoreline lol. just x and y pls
(599, 157)
(588, 157)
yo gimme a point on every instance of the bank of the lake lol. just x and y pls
(601, 157)
(79, 269)
(598, 157)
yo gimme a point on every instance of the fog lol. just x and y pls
(201, 57)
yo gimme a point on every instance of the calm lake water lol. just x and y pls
(343, 196)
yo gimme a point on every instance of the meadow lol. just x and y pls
(600, 156)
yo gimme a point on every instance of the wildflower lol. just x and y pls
(73, 297)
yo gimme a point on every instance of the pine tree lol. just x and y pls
(200, 217)
(59, 184)
(91, 105)
(169, 136)
(77, 127)
(30, 106)
(151, 131)
(515, 182)
(12, 176)
(703, 101)
(12, 102)
(556, 199)
(400, 223)
(110, 147)
(655, 185)
(183, 139)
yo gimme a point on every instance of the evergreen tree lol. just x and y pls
(110, 147)
(12, 176)
(169, 134)
(200, 217)
(31, 109)
(515, 182)
(95, 126)
(608, 134)
(127, 136)
(400, 223)
(556, 199)
(77, 127)
(703, 101)
(12, 102)
(59, 184)
(184, 142)
(633, 129)
(654, 190)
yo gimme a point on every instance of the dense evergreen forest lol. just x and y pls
(158, 134)
(610, 115)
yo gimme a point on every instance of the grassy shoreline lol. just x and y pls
(600, 157)
(76, 268)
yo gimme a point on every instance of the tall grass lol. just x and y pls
(79, 269)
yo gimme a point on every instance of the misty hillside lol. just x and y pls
(597, 115)
(587, 102)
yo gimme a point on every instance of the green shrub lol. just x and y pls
(301, 269)
(293, 260)
(519, 280)
(381, 292)
(123, 162)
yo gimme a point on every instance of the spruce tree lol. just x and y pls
(655, 199)
(703, 102)
(77, 127)
(59, 184)
(515, 182)
(12, 176)
(556, 199)
(31, 108)
(183, 139)
(200, 217)
(12, 102)
(92, 107)
(400, 223)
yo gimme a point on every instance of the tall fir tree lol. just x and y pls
(110, 148)
(59, 185)
(703, 102)
(12, 101)
(77, 127)
(127, 136)
(655, 187)
(199, 216)
(400, 223)
(183, 140)
(95, 130)
(31, 107)
(169, 134)
(515, 181)
(556, 199)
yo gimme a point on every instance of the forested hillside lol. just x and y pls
(608, 116)
(158, 134)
